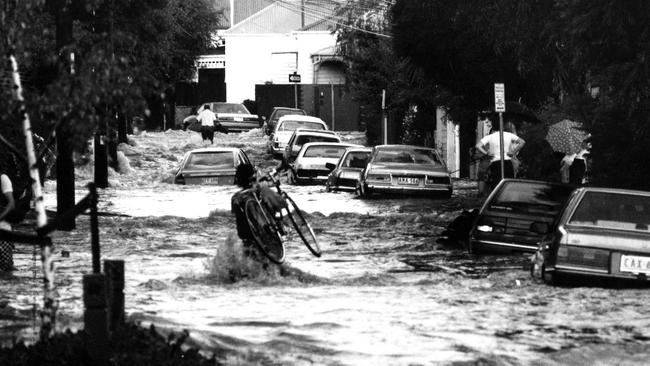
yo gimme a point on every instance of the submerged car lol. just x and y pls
(211, 165)
(302, 136)
(233, 117)
(600, 233)
(310, 164)
(503, 223)
(405, 169)
(279, 112)
(347, 172)
(286, 126)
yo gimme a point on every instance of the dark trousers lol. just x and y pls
(577, 171)
(6, 256)
(207, 133)
(494, 172)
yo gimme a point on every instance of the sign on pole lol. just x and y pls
(294, 78)
(499, 98)
(500, 106)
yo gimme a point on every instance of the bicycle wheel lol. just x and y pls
(302, 226)
(264, 231)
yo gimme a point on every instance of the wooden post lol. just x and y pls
(384, 116)
(95, 322)
(333, 109)
(94, 228)
(101, 161)
(114, 272)
(502, 153)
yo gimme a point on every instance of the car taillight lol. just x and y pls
(378, 177)
(432, 179)
(584, 257)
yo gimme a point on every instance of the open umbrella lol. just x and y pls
(566, 136)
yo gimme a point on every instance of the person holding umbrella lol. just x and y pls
(567, 137)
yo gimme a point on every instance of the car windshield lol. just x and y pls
(210, 160)
(293, 125)
(356, 159)
(324, 152)
(411, 156)
(530, 197)
(301, 140)
(230, 108)
(622, 211)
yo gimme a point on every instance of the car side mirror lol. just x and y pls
(330, 166)
(540, 227)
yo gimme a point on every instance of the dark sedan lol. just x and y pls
(347, 172)
(602, 233)
(504, 222)
(211, 165)
(405, 169)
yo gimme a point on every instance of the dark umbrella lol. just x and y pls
(566, 136)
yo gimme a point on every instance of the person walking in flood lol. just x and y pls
(207, 118)
(491, 145)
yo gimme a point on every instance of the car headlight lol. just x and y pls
(484, 228)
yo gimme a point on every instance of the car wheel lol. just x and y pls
(472, 249)
(549, 278)
(328, 187)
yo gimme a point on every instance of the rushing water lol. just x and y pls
(384, 292)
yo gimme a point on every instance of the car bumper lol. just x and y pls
(432, 189)
(239, 126)
(312, 175)
(345, 183)
(497, 246)
(611, 271)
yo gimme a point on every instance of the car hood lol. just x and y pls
(397, 168)
(632, 241)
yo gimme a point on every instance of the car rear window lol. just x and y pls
(356, 159)
(416, 156)
(210, 160)
(285, 112)
(530, 197)
(324, 152)
(301, 140)
(613, 211)
(292, 125)
(230, 108)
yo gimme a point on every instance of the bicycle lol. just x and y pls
(267, 223)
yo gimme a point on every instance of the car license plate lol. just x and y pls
(408, 180)
(210, 180)
(635, 264)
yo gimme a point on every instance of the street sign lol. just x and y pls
(499, 97)
(294, 78)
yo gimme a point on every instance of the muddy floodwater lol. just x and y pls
(386, 290)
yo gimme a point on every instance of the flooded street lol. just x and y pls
(384, 292)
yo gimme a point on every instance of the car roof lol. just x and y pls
(305, 146)
(300, 117)
(614, 190)
(533, 181)
(215, 149)
(359, 149)
(400, 147)
(310, 131)
(288, 109)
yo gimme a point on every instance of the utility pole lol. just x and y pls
(384, 116)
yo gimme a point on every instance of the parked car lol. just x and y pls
(405, 169)
(346, 174)
(285, 127)
(503, 223)
(279, 112)
(210, 165)
(231, 117)
(302, 136)
(310, 164)
(601, 233)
